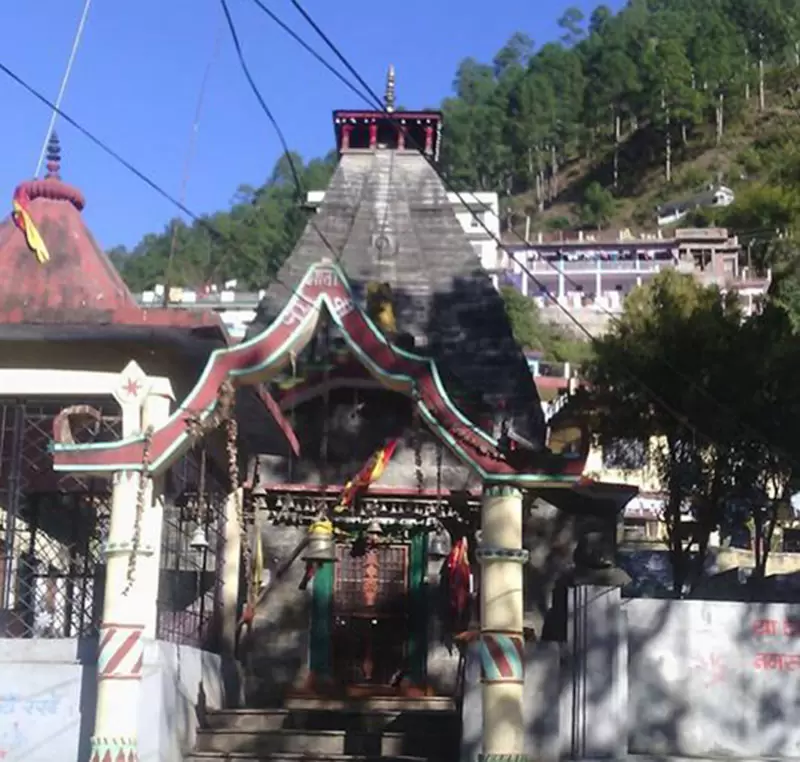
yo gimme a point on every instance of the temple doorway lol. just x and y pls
(369, 627)
(370, 614)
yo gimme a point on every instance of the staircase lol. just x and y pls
(394, 729)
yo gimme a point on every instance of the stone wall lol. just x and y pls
(658, 678)
(277, 657)
(48, 694)
(701, 685)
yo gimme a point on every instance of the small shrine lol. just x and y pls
(105, 558)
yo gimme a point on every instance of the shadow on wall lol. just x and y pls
(180, 684)
(48, 697)
(575, 692)
(717, 680)
(276, 652)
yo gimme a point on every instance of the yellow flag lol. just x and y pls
(24, 222)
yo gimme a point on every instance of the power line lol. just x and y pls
(190, 154)
(260, 98)
(203, 223)
(64, 81)
(295, 174)
(303, 44)
(220, 236)
(286, 152)
(376, 101)
(108, 150)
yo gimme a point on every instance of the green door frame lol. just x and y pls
(321, 626)
(321, 630)
(417, 592)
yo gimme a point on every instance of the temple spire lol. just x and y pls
(389, 97)
(53, 157)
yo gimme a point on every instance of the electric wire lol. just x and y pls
(190, 155)
(681, 418)
(303, 44)
(376, 102)
(677, 415)
(146, 179)
(286, 151)
(63, 87)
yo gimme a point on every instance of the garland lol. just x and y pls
(141, 493)
(224, 413)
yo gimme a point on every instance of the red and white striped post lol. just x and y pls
(130, 592)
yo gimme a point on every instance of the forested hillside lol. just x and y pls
(623, 112)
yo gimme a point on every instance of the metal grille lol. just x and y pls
(370, 614)
(51, 525)
(371, 583)
(190, 581)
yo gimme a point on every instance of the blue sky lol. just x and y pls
(137, 76)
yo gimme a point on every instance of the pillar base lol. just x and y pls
(114, 750)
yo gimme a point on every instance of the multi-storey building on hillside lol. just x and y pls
(592, 274)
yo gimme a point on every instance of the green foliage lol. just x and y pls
(599, 106)
(253, 238)
(532, 333)
(598, 206)
(559, 223)
(683, 369)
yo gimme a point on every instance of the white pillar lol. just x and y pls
(231, 571)
(502, 667)
(129, 607)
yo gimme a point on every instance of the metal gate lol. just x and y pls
(370, 614)
(190, 580)
(52, 525)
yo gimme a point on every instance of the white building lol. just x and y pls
(674, 211)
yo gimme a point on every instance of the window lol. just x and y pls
(625, 454)
(791, 540)
(634, 530)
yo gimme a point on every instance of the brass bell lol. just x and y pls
(320, 548)
(437, 546)
(198, 540)
(374, 528)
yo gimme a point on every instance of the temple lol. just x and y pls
(356, 496)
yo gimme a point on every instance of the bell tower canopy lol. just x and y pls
(360, 131)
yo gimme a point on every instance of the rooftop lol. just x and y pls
(74, 283)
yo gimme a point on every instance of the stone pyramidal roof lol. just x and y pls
(386, 218)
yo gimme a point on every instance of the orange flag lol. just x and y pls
(458, 577)
(22, 219)
(371, 472)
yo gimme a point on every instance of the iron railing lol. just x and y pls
(190, 585)
(52, 525)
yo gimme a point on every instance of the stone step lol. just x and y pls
(377, 704)
(319, 742)
(221, 756)
(417, 722)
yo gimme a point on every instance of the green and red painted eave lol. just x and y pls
(259, 359)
